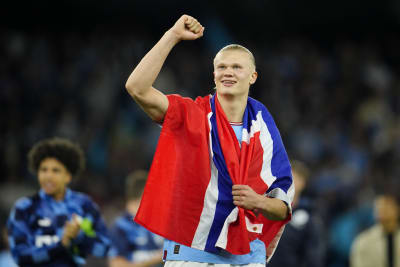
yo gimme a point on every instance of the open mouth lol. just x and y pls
(48, 187)
(228, 82)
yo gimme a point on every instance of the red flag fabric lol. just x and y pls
(188, 195)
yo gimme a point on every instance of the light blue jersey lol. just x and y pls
(238, 131)
(177, 252)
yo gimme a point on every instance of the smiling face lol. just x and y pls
(234, 72)
(53, 177)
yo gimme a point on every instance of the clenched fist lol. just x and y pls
(71, 230)
(187, 28)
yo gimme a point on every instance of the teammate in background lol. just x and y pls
(133, 245)
(302, 243)
(57, 226)
(220, 181)
(380, 244)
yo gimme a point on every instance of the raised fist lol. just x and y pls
(187, 28)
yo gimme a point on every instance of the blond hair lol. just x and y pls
(240, 48)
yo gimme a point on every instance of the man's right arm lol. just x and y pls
(139, 83)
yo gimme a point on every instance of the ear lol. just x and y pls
(253, 77)
(68, 178)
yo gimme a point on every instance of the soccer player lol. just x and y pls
(220, 186)
(57, 226)
(133, 245)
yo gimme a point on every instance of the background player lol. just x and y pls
(57, 226)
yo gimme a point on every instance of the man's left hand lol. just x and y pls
(245, 197)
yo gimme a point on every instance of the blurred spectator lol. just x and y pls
(303, 241)
(342, 231)
(379, 245)
(56, 226)
(134, 245)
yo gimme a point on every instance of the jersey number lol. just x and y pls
(47, 240)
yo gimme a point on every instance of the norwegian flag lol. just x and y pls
(188, 195)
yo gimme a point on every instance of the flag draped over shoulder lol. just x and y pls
(188, 195)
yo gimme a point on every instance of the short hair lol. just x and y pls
(240, 48)
(135, 183)
(65, 151)
(389, 189)
(301, 168)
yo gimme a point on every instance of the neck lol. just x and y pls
(233, 106)
(390, 226)
(132, 206)
(59, 196)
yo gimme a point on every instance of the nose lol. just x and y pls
(227, 73)
(46, 174)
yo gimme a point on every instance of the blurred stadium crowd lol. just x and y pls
(336, 103)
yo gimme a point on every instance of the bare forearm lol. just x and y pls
(273, 208)
(146, 72)
(139, 83)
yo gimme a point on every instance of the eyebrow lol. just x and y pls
(232, 64)
(47, 167)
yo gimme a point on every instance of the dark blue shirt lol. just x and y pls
(35, 229)
(302, 243)
(132, 241)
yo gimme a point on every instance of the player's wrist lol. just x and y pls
(262, 203)
(173, 36)
(66, 241)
